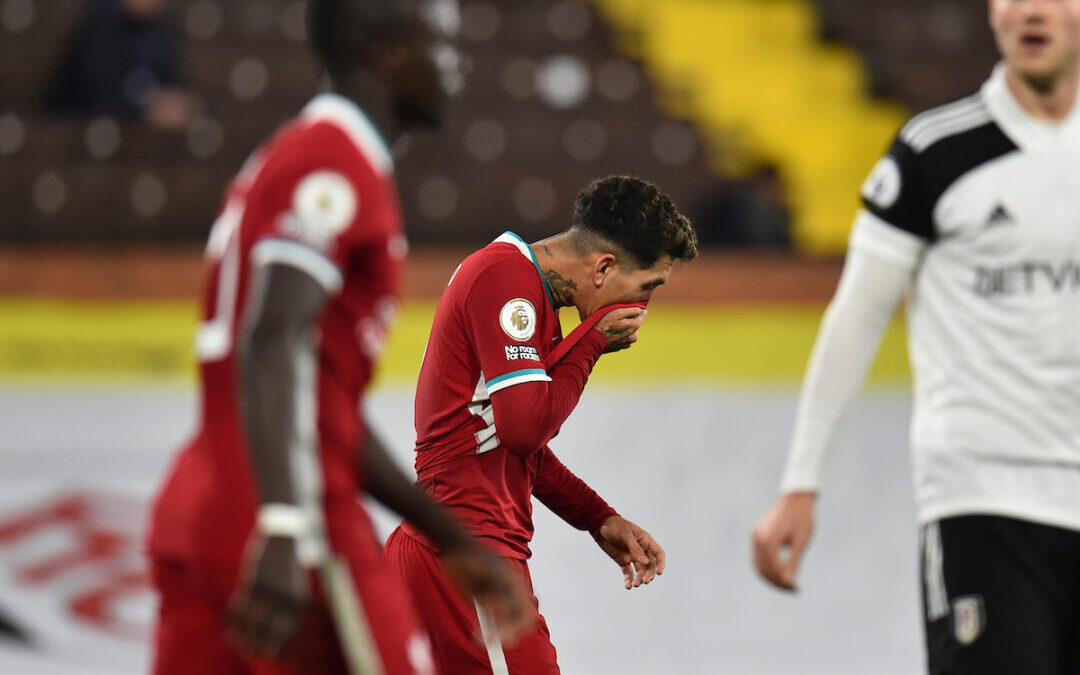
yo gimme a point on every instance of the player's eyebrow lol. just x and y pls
(652, 285)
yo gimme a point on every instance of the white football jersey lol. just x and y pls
(994, 308)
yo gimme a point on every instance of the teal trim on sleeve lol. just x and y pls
(516, 373)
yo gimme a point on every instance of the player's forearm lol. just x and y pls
(847, 342)
(277, 373)
(529, 415)
(389, 485)
(567, 496)
(270, 382)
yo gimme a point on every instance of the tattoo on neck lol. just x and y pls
(561, 288)
(547, 250)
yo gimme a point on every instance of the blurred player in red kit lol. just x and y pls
(497, 383)
(265, 559)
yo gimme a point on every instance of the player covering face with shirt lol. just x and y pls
(973, 213)
(498, 381)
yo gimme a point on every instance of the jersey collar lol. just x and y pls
(515, 240)
(343, 112)
(1018, 124)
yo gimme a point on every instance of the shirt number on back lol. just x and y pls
(214, 340)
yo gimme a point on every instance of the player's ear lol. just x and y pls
(603, 266)
(390, 60)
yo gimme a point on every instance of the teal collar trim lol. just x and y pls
(511, 238)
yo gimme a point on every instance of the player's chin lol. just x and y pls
(1040, 69)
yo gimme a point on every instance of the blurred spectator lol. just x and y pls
(121, 61)
(751, 213)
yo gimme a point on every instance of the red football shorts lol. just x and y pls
(191, 632)
(450, 617)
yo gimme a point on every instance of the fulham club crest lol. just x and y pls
(969, 618)
(518, 319)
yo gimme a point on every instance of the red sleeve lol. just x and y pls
(567, 495)
(503, 309)
(321, 200)
(502, 313)
(529, 415)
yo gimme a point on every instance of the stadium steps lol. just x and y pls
(761, 87)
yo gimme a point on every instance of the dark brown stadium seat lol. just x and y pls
(527, 184)
(29, 54)
(921, 52)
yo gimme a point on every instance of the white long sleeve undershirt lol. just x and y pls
(880, 266)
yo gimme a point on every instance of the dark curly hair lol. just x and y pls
(634, 216)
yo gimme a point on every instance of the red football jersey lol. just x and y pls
(494, 326)
(320, 196)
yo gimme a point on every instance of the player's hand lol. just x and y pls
(267, 607)
(495, 586)
(620, 327)
(633, 549)
(781, 536)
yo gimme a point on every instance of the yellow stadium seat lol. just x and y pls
(765, 89)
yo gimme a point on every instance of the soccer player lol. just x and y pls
(496, 385)
(260, 546)
(975, 213)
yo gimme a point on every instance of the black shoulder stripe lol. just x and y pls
(895, 193)
(944, 162)
(905, 186)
